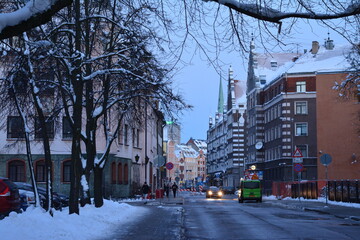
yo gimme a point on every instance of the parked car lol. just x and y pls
(42, 194)
(27, 198)
(214, 192)
(9, 197)
(228, 190)
(64, 199)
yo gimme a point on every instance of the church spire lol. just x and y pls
(220, 108)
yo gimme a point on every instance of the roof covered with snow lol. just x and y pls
(271, 66)
(201, 144)
(324, 61)
(185, 151)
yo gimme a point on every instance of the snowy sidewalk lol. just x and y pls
(338, 209)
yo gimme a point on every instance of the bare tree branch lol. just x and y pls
(265, 13)
(35, 20)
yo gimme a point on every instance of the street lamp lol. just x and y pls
(137, 159)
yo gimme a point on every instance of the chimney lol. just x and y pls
(329, 44)
(315, 47)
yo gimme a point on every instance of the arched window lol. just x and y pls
(126, 174)
(16, 171)
(120, 174)
(113, 173)
(40, 171)
(66, 171)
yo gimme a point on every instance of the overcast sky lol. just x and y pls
(199, 82)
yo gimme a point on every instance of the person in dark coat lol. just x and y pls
(167, 189)
(174, 188)
(145, 190)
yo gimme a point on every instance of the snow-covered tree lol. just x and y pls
(26, 89)
(101, 62)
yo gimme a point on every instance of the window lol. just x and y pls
(303, 149)
(49, 128)
(66, 128)
(126, 174)
(126, 129)
(40, 171)
(66, 171)
(137, 137)
(121, 134)
(301, 129)
(15, 127)
(300, 86)
(301, 108)
(113, 173)
(17, 171)
(120, 174)
(21, 82)
(133, 136)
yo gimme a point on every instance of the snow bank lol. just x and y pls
(92, 223)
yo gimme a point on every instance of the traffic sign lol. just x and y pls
(297, 160)
(298, 167)
(169, 166)
(326, 159)
(297, 153)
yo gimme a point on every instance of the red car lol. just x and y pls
(9, 197)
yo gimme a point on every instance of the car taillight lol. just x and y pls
(5, 192)
(30, 198)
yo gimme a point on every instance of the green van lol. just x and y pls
(250, 190)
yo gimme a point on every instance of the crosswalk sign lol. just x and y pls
(297, 153)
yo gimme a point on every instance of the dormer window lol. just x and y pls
(262, 79)
(273, 64)
(255, 63)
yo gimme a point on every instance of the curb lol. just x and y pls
(289, 206)
(355, 218)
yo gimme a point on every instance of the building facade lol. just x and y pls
(226, 137)
(124, 171)
(289, 98)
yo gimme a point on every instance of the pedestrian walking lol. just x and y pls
(145, 190)
(174, 188)
(167, 189)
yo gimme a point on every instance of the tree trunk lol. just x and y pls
(77, 84)
(98, 190)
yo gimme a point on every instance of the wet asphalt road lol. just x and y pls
(226, 219)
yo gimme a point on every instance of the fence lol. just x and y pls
(344, 191)
(307, 190)
(339, 190)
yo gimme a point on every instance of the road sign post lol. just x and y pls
(326, 159)
(298, 167)
(297, 159)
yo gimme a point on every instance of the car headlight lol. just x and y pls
(210, 192)
(220, 193)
